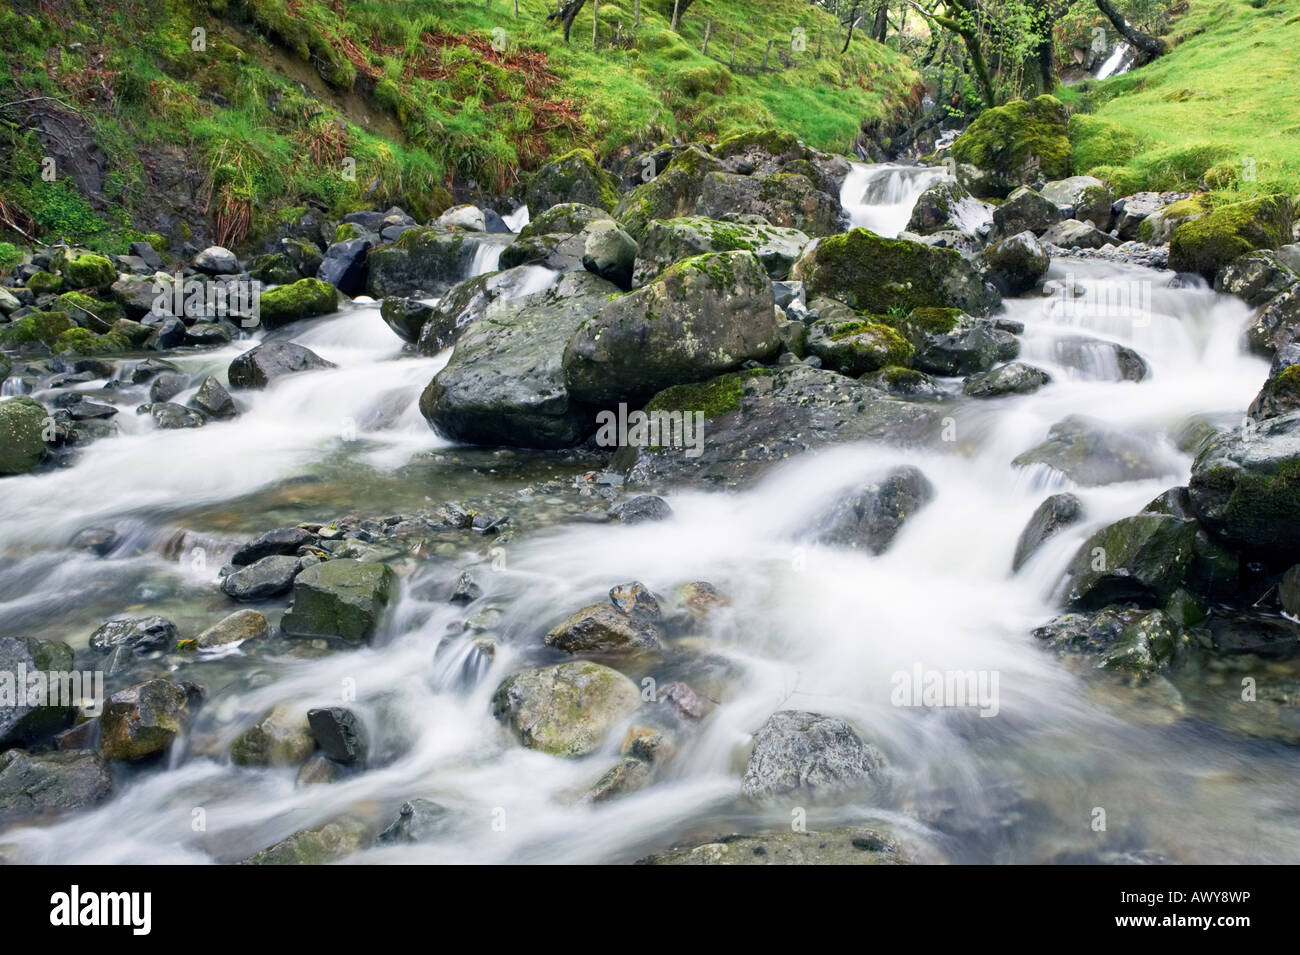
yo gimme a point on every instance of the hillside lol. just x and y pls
(220, 119)
(1221, 101)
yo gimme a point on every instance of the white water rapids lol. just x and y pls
(810, 627)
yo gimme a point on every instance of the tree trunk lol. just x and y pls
(567, 13)
(1148, 46)
(881, 27)
(853, 19)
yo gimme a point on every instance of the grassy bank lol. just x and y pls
(278, 103)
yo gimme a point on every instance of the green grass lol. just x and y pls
(416, 92)
(1222, 101)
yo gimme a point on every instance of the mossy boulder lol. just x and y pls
(304, 298)
(22, 434)
(275, 268)
(1245, 487)
(1016, 263)
(1141, 559)
(93, 313)
(89, 270)
(342, 598)
(43, 283)
(317, 845)
(32, 721)
(1017, 144)
(566, 218)
(858, 346)
(1092, 454)
(573, 177)
(424, 261)
(671, 240)
(703, 316)
(565, 710)
(82, 341)
(144, 720)
(34, 784)
(282, 737)
(505, 382)
(1129, 640)
(878, 275)
(36, 328)
(1256, 277)
(1280, 394)
(1208, 243)
(673, 193)
(786, 199)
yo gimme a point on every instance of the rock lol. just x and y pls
(304, 255)
(1141, 559)
(169, 416)
(1051, 517)
(345, 267)
(671, 240)
(788, 200)
(213, 400)
(264, 578)
(970, 347)
(1016, 144)
(340, 734)
(466, 217)
(274, 268)
(640, 509)
(841, 846)
(1281, 392)
(22, 434)
(796, 751)
(611, 254)
(1014, 378)
(318, 845)
(417, 821)
(876, 275)
(1209, 242)
(466, 590)
(1131, 211)
(1073, 234)
(945, 206)
(673, 193)
(406, 317)
(1256, 277)
(565, 710)
(305, 298)
(1277, 324)
(1245, 487)
(1081, 197)
(1099, 360)
(870, 516)
(635, 600)
(24, 716)
(282, 737)
(341, 598)
(239, 626)
(628, 776)
(703, 316)
(216, 260)
(857, 347)
(505, 382)
(167, 386)
(1016, 263)
(144, 720)
(1091, 454)
(565, 218)
(755, 419)
(1025, 210)
(573, 177)
(140, 634)
(603, 629)
(1288, 591)
(34, 784)
(903, 383)
(1140, 642)
(258, 367)
(285, 541)
(425, 262)
(469, 300)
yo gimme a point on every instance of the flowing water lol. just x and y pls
(810, 627)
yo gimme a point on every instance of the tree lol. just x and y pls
(1148, 46)
(567, 12)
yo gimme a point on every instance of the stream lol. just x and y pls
(809, 627)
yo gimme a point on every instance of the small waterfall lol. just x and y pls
(516, 220)
(880, 196)
(1119, 61)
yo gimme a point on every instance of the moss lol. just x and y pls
(76, 302)
(901, 376)
(725, 238)
(713, 398)
(777, 142)
(90, 271)
(82, 341)
(348, 231)
(932, 320)
(44, 282)
(1018, 141)
(1210, 242)
(303, 298)
(36, 328)
(1096, 142)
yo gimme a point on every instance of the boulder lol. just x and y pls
(406, 316)
(305, 298)
(870, 516)
(565, 710)
(144, 720)
(671, 240)
(1025, 210)
(1281, 392)
(1092, 454)
(1141, 559)
(880, 276)
(1098, 360)
(785, 199)
(1013, 378)
(673, 193)
(213, 400)
(705, 315)
(138, 634)
(1277, 324)
(468, 301)
(1138, 642)
(857, 346)
(342, 598)
(259, 366)
(604, 629)
(22, 434)
(1209, 242)
(240, 626)
(340, 734)
(261, 579)
(641, 509)
(216, 260)
(32, 784)
(285, 541)
(25, 718)
(505, 382)
(1016, 145)
(1073, 234)
(466, 217)
(1016, 263)
(1256, 277)
(566, 218)
(808, 754)
(1081, 197)
(573, 177)
(282, 737)
(1051, 517)
(317, 845)
(426, 262)
(611, 254)
(945, 206)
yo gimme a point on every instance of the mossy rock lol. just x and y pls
(347, 231)
(43, 283)
(78, 304)
(858, 347)
(565, 710)
(341, 598)
(1208, 243)
(22, 434)
(304, 298)
(89, 271)
(775, 142)
(43, 328)
(880, 276)
(573, 177)
(567, 218)
(82, 341)
(672, 194)
(1018, 143)
(276, 268)
(713, 398)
